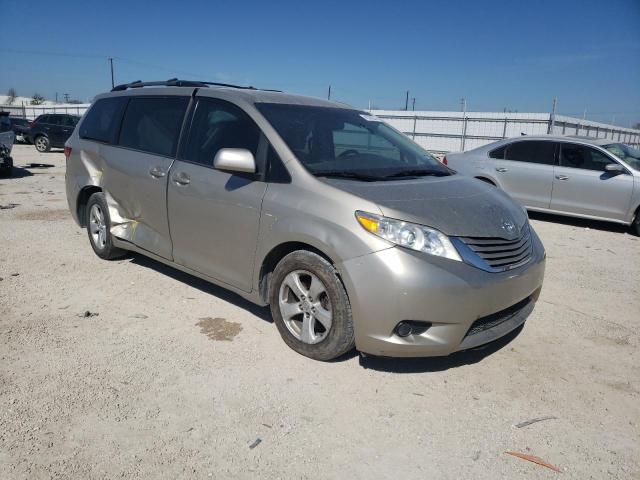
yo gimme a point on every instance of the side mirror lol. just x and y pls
(614, 168)
(235, 160)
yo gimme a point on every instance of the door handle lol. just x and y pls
(562, 177)
(181, 178)
(501, 169)
(157, 172)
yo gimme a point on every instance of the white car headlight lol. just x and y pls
(409, 235)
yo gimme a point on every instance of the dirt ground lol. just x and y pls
(132, 369)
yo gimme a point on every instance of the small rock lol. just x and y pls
(15, 274)
(138, 315)
(88, 314)
(255, 444)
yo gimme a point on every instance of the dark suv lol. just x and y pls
(51, 130)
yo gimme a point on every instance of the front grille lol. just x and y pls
(493, 320)
(500, 254)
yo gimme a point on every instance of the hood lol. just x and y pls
(456, 205)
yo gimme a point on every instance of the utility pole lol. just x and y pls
(111, 65)
(552, 116)
(406, 101)
(584, 115)
(56, 97)
(413, 104)
(369, 105)
(463, 105)
(66, 98)
(329, 94)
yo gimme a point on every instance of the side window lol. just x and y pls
(103, 120)
(498, 152)
(42, 119)
(69, 121)
(277, 172)
(218, 124)
(531, 151)
(5, 123)
(55, 120)
(582, 156)
(152, 124)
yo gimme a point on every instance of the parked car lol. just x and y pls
(587, 178)
(51, 130)
(352, 233)
(20, 127)
(7, 138)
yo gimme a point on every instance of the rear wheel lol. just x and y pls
(98, 227)
(42, 144)
(310, 306)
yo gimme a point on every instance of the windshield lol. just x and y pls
(337, 142)
(625, 153)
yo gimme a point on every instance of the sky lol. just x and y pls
(515, 54)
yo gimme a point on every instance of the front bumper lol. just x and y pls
(396, 284)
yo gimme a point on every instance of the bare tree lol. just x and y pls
(11, 94)
(37, 99)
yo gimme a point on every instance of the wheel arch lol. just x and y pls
(273, 257)
(81, 203)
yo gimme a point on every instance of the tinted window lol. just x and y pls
(581, 156)
(153, 124)
(217, 124)
(55, 120)
(498, 152)
(103, 120)
(531, 151)
(42, 119)
(69, 120)
(341, 142)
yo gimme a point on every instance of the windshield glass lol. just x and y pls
(626, 153)
(337, 142)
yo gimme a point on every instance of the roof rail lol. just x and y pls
(174, 82)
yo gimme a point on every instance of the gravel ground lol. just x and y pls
(133, 369)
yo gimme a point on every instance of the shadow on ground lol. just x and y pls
(17, 172)
(39, 165)
(202, 285)
(384, 364)
(437, 364)
(579, 222)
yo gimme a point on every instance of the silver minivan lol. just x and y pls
(589, 178)
(353, 234)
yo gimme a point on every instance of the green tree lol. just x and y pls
(37, 99)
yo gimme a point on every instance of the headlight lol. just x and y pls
(409, 235)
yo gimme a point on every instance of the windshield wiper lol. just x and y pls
(348, 174)
(418, 173)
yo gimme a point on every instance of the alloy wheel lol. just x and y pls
(305, 306)
(97, 226)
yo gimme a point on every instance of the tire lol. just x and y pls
(7, 170)
(42, 144)
(635, 226)
(330, 307)
(98, 228)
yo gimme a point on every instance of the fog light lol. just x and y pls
(411, 327)
(403, 329)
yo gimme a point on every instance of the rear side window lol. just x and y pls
(103, 120)
(498, 152)
(531, 151)
(581, 156)
(42, 119)
(55, 120)
(152, 124)
(218, 124)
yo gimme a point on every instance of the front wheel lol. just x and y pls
(310, 306)
(42, 144)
